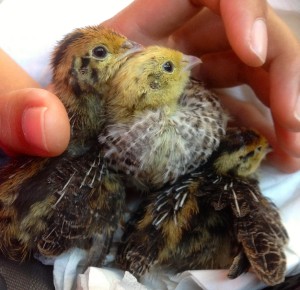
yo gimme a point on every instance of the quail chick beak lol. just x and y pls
(268, 150)
(132, 48)
(190, 62)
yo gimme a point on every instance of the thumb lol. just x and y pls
(33, 122)
(245, 22)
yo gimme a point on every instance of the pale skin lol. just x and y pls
(239, 41)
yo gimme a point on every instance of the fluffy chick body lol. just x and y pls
(51, 204)
(213, 218)
(84, 63)
(161, 123)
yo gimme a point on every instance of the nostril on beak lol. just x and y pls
(129, 44)
(131, 47)
(191, 61)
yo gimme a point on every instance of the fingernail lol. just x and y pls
(259, 39)
(297, 109)
(33, 126)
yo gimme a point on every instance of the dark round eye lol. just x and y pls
(100, 52)
(247, 156)
(168, 66)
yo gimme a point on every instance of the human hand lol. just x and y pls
(239, 42)
(33, 121)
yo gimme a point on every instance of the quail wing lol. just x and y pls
(212, 218)
(71, 202)
(174, 228)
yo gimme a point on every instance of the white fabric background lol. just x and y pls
(29, 30)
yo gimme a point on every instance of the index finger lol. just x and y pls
(148, 21)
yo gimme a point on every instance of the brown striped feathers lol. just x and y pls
(48, 205)
(213, 218)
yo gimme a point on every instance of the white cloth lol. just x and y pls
(28, 32)
(107, 279)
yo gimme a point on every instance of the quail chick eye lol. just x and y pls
(247, 156)
(168, 66)
(100, 52)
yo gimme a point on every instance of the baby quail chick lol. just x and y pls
(161, 123)
(213, 218)
(48, 205)
(84, 63)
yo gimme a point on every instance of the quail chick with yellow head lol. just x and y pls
(213, 218)
(161, 124)
(48, 205)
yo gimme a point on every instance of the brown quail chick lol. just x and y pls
(161, 124)
(213, 218)
(48, 205)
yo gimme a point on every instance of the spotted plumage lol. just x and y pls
(48, 205)
(161, 123)
(213, 218)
